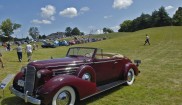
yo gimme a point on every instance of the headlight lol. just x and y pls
(38, 74)
(23, 69)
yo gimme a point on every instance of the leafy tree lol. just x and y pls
(177, 17)
(40, 37)
(141, 22)
(154, 18)
(75, 31)
(68, 31)
(34, 32)
(126, 26)
(145, 21)
(27, 38)
(82, 33)
(7, 27)
(160, 18)
(43, 36)
(107, 30)
(0, 32)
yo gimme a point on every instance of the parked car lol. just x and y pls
(48, 45)
(84, 72)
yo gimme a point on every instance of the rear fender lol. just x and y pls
(127, 68)
(82, 87)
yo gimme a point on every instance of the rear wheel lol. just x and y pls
(65, 96)
(130, 77)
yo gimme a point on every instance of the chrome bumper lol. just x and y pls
(25, 97)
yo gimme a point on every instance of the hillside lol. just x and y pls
(159, 82)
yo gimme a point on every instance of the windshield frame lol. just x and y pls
(82, 48)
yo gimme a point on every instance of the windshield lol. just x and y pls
(81, 51)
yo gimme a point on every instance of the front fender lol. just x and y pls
(89, 69)
(82, 87)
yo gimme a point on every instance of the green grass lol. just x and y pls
(160, 80)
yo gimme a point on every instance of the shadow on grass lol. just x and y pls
(100, 96)
(18, 101)
(17, 61)
(13, 101)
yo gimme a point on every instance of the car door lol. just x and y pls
(104, 69)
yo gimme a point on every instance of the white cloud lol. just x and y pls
(18, 30)
(48, 12)
(169, 7)
(115, 28)
(99, 31)
(106, 17)
(119, 4)
(84, 9)
(69, 12)
(41, 21)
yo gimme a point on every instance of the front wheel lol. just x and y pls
(130, 77)
(65, 96)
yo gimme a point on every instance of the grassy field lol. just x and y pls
(160, 80)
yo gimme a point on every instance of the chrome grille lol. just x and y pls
(30, 79)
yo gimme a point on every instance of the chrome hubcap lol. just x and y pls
(63, 98)
(130, 76)
(86, 76)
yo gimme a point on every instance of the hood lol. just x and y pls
(57, 62)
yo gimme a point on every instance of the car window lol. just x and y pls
(87, 52)
(98, 54)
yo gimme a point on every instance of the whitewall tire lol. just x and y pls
(65, 96)
(130, 77)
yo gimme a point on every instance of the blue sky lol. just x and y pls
(52, 16)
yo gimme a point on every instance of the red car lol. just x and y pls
(83, 73)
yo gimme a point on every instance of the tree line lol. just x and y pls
(158, 18)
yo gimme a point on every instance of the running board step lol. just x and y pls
(110, 85)
(106, 87)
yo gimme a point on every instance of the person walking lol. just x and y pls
(9, 46)
(28, 50)
(147, 40)
(1, 60)
(19, 52)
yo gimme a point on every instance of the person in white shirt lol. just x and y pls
(147, 40)
(19, 52)
(29, 51)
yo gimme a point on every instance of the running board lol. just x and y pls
(106, 87)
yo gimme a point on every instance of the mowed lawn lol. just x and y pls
(160, 80)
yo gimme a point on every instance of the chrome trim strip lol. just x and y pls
(67, 68)
(21, 95)
(69, 65)
(105, 61)
(78, 64)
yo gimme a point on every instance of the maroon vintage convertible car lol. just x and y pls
(84, 72)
